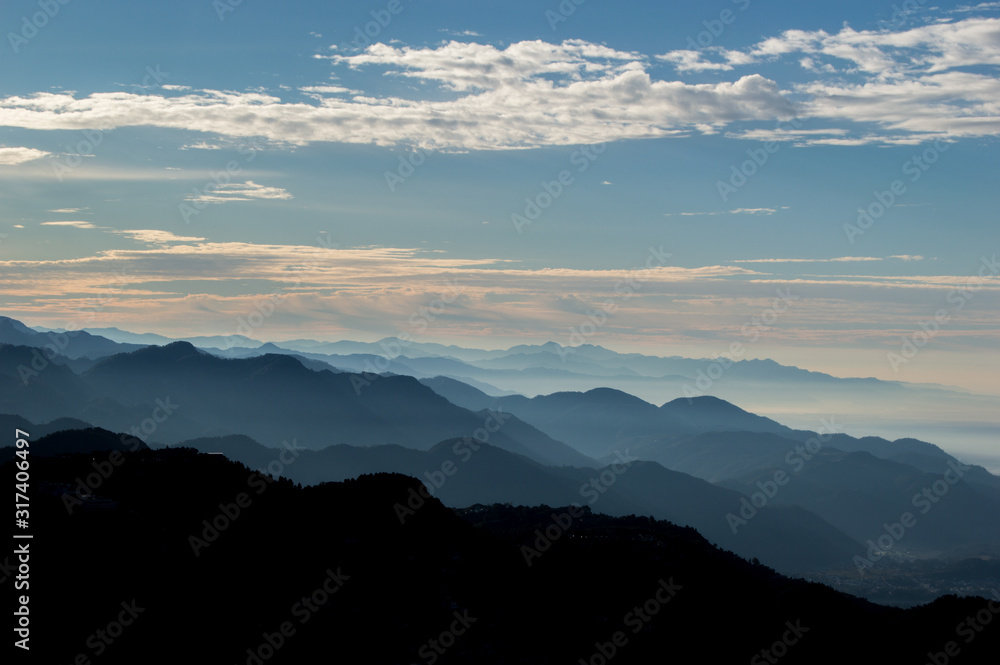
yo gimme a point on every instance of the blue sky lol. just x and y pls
(644, 109)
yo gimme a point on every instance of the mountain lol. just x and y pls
(39, 386)
(176, 392)
(153, 339)
(462, 472)
(316, 564)
(601, 420)
(9, 422)
(87, 441)
(793, 395)
(859, 494)
(73, 344)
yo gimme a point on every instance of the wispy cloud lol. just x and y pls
(327, 89)
(240, 191)
(735, 211)
(902, 86)
(839, 259)
(15, 156)
(461, 33)
(75, 224)
(346, 291)
(157, 237)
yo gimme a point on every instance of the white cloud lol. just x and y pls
(529, 94)
(201, 145)
(735, 211)
(75, 224)
(894, 87)
(327, 89)
(15, 156)
(982, 6)
(239, 191)
(839, 259)
(907, 86)
(157, 237)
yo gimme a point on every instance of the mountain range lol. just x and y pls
(698, 461)
(331, 569)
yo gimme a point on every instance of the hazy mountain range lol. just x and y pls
(952, 416)
(699, 461)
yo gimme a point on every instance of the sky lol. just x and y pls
(818, 181)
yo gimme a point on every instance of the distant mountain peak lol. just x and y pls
(173, 352)
(6, 321)
(702, 402)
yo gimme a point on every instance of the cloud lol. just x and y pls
(882, 87)
(237, 191)
(67, 211)
(344, 292)
(982, 6)
(735, 211)
(15, 156)
(156, 237)
(839, 259)
(461, 33)
(75, 224)
(526, 95)
(327, 89)
(201, 145)
(907, 86)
